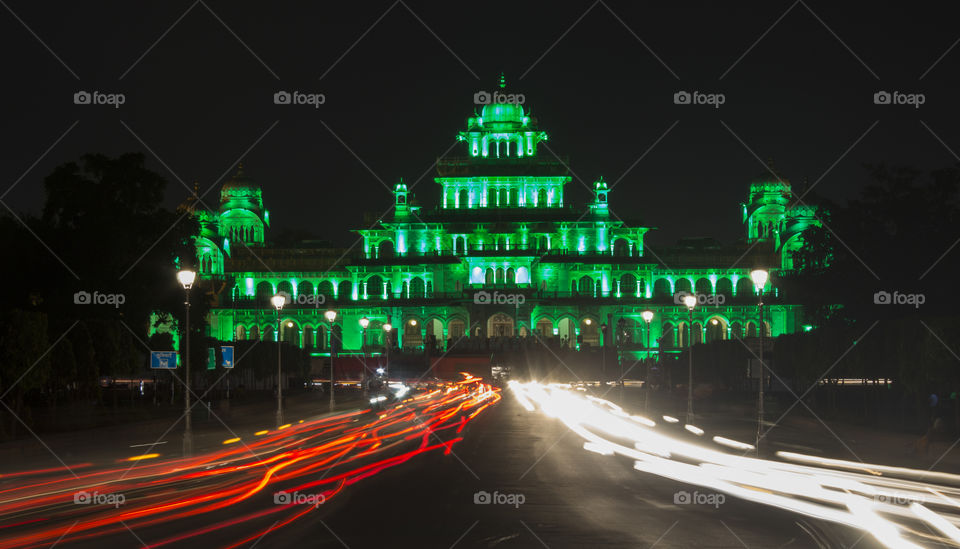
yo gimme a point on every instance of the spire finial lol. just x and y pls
(503, 80)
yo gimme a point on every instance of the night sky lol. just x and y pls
(198, 79)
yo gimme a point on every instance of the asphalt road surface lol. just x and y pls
(464, 465)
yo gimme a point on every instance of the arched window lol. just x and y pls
(523, 275)
(744, 287)
(491, 197)
(585, 286)
(308, 339)
(254, 332)
(460, 244)
(682, 285)
(661, 287)
(325, 289)
(621, 247)
(488, 279)
(285, 287)
(628, 285)
(264, 293)
(417, 288)
(499, 275)
(511, 276)
(725, 288)
(345, 290)
(305, 287)
(375, 287)
(704, 287)
(241, 333)
(386, 249)
(464, 199)
(514, 197)
(736, 331)
(542, 198)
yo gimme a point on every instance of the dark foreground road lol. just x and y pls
(571, 498)
(455, 468)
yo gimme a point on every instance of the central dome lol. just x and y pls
(503, 112)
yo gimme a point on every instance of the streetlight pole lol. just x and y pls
(186, 278)
(690, 301)
(647, 317)
(759, 277)
(278, 301)
(364, 322)
(331, 315)
(388, 328)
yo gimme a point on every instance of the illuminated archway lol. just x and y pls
(590, 331)
(500, 325)
(544, 328)
(716, 329)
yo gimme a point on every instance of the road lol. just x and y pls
(465, 466)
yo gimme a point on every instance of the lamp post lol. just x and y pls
(186, 278)
(278, 302)
(387, 328)
(364, 322)
(690, 301)
(331, 315)
(647, 317)
(759, 277)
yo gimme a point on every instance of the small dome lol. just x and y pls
(240, 182)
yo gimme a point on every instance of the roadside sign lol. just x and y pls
(163, 360)
(227, 352)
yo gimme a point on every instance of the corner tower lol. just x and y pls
(242, 216)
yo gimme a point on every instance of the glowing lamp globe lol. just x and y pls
(186, 278)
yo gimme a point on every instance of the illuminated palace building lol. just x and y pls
(503, 255)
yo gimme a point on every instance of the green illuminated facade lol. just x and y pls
(503, 254)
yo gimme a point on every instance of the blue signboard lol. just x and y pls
(163, 360)
(227, 353)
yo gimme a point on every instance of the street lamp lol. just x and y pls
(690, 301)
(364, 322)
(331, 315)
(278, 302)
(387, 328)
(759, 277)
(186, 278)
(647, 316)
